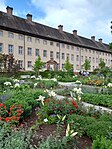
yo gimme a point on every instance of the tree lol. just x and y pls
(68, 66)
(38, 65)
(102, 63)
(86, 65)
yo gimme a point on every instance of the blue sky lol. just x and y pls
(88, 17)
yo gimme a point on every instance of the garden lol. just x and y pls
(56, 110)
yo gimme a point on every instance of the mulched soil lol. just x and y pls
(46, 130)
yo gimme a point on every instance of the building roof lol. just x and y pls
(27, 27)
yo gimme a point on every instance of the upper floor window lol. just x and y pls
(63, 45)
(93, 59)
(63, 65)
(1, 47)
(29, 51)
(68, 46)
(29, 64)
(77, 58)
(45, 42)
(57, 55)
(20, 37)
(1, 33)
(37, 40)
(82, 58)
(45, 53)
(72, 57)
(57, 44)
(36, 52)
(10, 35)
(51, 43)
(63, 55)
(20, 50)
(29, 39)
(68, 56)
(89, 51)
(10, 49)
(51, 54)
(72, 47)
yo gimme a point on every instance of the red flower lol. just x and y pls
(7, 119)
(70, 112)
(1, 104)
(66, 102)
(47, 100)
(74, 104)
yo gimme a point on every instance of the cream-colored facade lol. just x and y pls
(26, 49)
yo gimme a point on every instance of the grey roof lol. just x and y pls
(24, 26)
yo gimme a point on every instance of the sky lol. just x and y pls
(88, 17)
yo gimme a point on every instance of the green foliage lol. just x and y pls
(98, 99)
(10, 138)
(102, 63)
(86, 65)
(68, 66)
(101, 143)
(38, 65)
(3, 80)
(110, 45)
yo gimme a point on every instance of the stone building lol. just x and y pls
(27, 39)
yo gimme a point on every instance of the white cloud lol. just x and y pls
(88, 17)
(3, 5)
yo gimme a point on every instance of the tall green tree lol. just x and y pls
(101, 63)
(86, 65)
(38, 65)
(68, 66)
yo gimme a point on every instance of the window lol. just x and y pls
(57, 55)
(29, 39)
(68, 46)
(1, 47)
(1, 33)
(10, 49)
(45, 42)
(20, 37)
(90, 59)
(77, 58)
(51, 54)
(72, 57)
(96, 60)
(63, 45)
(86, 50)
(72, 47)
(63, 66)
(93, 51)
(20, 63)
(93, 59)
(37, 40)
(29, 51)
(63, 55)
(89, 51)
(20, 50)
(68, 55)
(11, 35)
(29, 64)
(93, 67)
(44, 53)
(51, 43)
(36, 52)
(77, 48)
(57, 44)
(85, 57)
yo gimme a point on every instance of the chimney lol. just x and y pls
(74, 32)
(60, 28)
(100, 40)
(29, 17)
(93, 38)
(9, 10)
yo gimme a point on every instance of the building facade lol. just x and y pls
(26, 40)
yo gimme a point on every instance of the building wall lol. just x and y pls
(76, 54)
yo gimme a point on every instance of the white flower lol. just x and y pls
(78, 82)
(109, 85)
(17, 85)
(40, 77)
(35, 84)
(15, 80)
(69, 132)
(45, 120)
(78, 90)
(33, 77)
(54, 79)
(7, 83)
(52, 93)
(41, 98)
